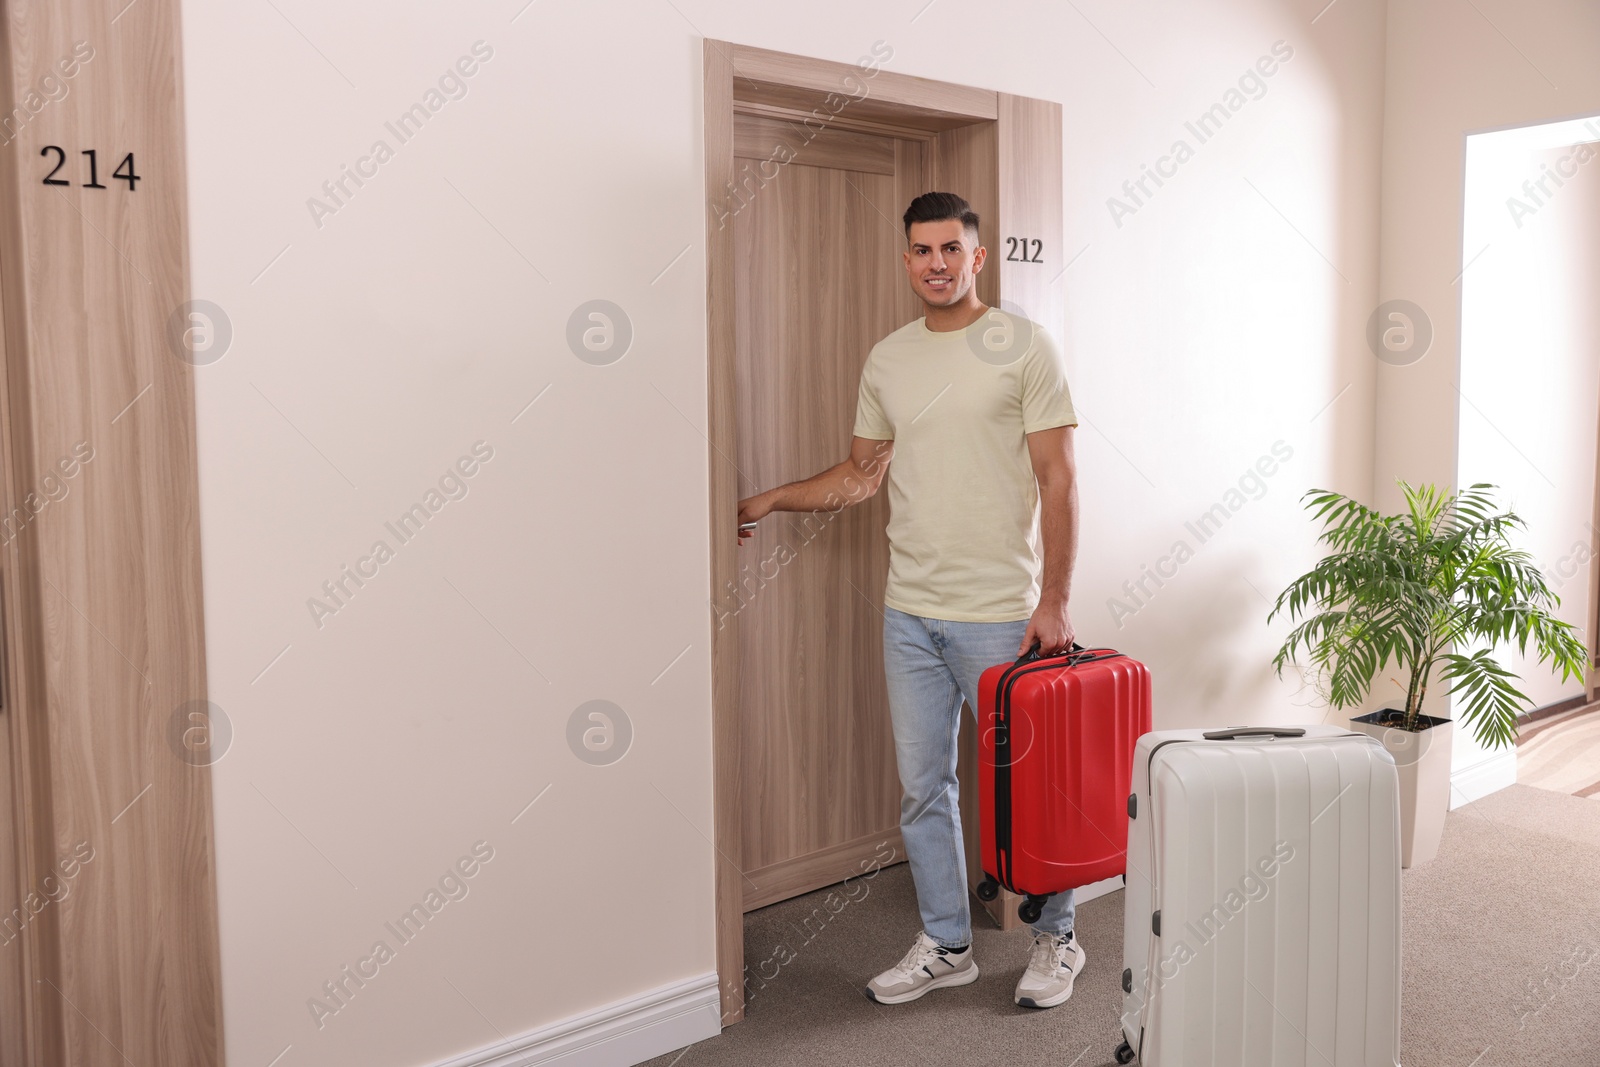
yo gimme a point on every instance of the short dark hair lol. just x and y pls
(936, 207)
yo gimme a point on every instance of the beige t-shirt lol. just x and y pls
(963, 501)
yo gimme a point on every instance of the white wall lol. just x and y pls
(1223, 316)
(1453, 69)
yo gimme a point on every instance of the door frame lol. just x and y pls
(1002, 152)
(1591, 675)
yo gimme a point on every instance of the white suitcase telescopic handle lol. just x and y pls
(1255, 731)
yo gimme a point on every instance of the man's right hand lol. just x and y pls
(845, 483)
(752, 509)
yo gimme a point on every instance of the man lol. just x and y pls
(971, 406)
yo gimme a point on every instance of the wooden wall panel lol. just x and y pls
(15, 952)
(102, 593)
(913, 176)
(965, 162)
(1029, 155)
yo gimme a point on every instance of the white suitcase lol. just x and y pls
(1262, 923)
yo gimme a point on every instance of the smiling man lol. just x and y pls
(967, 412)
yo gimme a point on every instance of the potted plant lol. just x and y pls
(1419, 589)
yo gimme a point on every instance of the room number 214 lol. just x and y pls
(124, 171)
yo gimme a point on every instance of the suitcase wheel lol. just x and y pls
(1124, 1052)
(987, 889)
(1030, 910)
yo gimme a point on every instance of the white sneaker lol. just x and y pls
(927, 966)
(1052, 965)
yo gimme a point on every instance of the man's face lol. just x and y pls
(942, 260)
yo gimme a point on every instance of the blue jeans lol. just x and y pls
(930, 664)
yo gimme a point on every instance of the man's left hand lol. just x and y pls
(1050, 626)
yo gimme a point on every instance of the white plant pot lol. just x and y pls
(1423, 760)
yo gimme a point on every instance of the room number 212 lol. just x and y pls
(1017, 249)
(124, 170)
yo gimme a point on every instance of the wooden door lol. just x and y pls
(818, 281)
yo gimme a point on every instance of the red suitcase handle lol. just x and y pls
(1078, 653)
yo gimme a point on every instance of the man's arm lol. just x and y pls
(848, 482)
(1056, 468)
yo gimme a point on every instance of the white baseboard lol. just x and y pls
(1487, 776)
(1085, 893)
(627, 1032)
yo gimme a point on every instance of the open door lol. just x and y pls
(817, 283)
(809, 168)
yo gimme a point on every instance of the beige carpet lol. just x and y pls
(1501, 965)
(1562, 753)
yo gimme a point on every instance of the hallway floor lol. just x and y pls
(1562, 753)
(1501, 964)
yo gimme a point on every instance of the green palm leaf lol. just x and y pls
(1406, 589)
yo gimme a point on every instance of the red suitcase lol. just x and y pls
(1055, 769)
